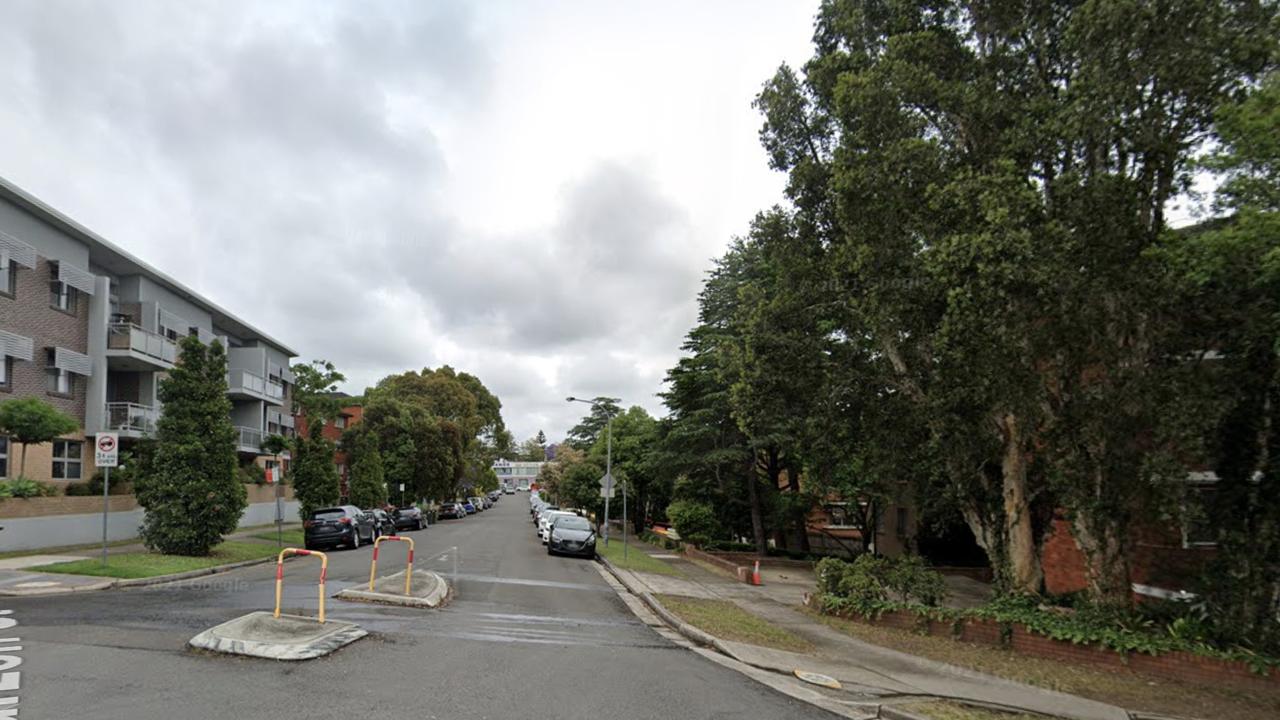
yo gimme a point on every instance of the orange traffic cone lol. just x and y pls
(755, 574)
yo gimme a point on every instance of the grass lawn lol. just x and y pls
(144, 564)
(292, 538)
(636, 559)
(944, 710)
(1128, 690)
(727, 621)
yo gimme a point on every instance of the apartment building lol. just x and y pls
(517, 473)
(91, 329)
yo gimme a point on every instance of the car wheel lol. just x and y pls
(419, 524)
(355, 539)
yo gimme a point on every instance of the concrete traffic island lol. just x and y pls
(287, 637)
(427, 590)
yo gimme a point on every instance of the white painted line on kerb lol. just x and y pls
(10, 677)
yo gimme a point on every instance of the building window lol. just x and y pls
(902, 522)
(9, 280)
(61, 382)
(340, 422)
(62, 296)
(6, 373)
(1197, 529)
(4, 457)
(66, 459)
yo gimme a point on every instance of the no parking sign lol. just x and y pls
(107, 450)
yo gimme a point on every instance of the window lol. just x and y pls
(66, 459)
(9, 280)
(62, 296)
(1197, 529)
(61, 382)
(4, 457)
(340, 422)
(902, 522)
(6, 373)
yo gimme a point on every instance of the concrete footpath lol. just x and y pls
(869, 673)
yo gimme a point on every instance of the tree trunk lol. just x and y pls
(757, 519)
(799, 513)
(1107, 567)
(22, 469)
(1024, 571)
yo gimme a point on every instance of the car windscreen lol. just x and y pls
(330, 514)
(572, 522)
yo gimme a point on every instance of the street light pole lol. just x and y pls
(608, 473)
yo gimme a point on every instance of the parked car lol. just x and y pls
(452, 510)
(545, 520)
(478, 502)
(408, 518)
(508, 490)
(470, 508)
(537, 516)
(382, 523)
(495, 496)
(571, 535)
(341, 525)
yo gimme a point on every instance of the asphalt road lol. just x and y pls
(526, 635)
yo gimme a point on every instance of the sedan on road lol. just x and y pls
(382, 523)
(452, 510)
(572, 535)
(470, 508)
(545, 520)
(341, 525)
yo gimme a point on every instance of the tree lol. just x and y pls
(987, 185)
(541, 438)
(315, 390)
(314, 477)
(32, 421)
(634, 437)
(189, 486)
(367, 484)
(531, 450)
(590, 428)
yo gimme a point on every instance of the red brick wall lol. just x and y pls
(1064, 564)
(1156, 558)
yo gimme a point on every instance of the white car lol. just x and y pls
(544, 522)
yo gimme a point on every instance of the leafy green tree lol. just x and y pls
(32, 421)
(987, 184)
(585, 434)
(635, 434)
(579, 487)
(367, 480)
(531, 450)
(189, 486)
(314, 391)
(314, 477)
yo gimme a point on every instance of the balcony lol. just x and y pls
(246, 385)
(249, 440)
(131, 419)
(130, 347)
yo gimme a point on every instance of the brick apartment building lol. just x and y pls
(349, 415)
(91, 329)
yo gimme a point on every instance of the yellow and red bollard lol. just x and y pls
(324, 569)
(408, 573)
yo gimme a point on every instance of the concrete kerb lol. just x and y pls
(429, 590)
(705, 639)
(113, 583)
(287, 637)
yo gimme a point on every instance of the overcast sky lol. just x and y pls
(529, 190)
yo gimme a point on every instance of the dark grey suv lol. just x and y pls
(342, 525)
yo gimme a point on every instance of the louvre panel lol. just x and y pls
(286, 375)
(72, 361)
(173, 322)
(16, 346)
(18, 251)
(81, 280)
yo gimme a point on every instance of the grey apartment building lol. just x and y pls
(91, 330)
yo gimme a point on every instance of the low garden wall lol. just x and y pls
(1177, 666)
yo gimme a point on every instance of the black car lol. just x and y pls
(408, 518)
(341, 525)
(382, 523)
(572, 535)
(452, 510)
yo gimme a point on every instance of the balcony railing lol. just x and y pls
(127, 336)
(249, 439)
(132, 417)
(246, 381)
(275, 390)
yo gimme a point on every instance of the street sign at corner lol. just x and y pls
(106, 450)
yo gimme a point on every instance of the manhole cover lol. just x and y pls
(818, 679)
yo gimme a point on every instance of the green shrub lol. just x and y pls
(252, 474)
(22, 487)
(696, 522)
(729, 546)
(871, 581)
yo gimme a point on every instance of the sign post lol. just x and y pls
(106, 456)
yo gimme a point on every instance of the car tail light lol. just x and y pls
(308, 523)
(345, 521)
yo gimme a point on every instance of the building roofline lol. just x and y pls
(48, 214)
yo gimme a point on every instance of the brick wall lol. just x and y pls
(29, 314)
(1064, 564)
(1156, 557)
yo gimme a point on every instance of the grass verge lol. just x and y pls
(292, 538)
(727, 621)
(1125, 689)
(636, 560)
(144, 564)
(944, 710)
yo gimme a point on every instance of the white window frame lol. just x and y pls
(6, 372)
(67, 461)
(64, 298)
